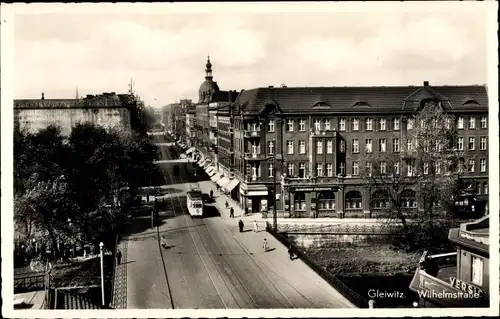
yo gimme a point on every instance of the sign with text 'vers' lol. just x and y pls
(466, 287)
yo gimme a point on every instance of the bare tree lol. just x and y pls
(428, 164)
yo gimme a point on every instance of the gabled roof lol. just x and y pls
(301, 100)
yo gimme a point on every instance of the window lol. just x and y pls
(397, 168)
(460, 124)
(255, 127)
(472, 122)
(270, 147)
(382, 124)
(471, 143)
(319, 170)
(355, 146)
(483, 122)
(289, 146)
(270, 126)
(270, 169)
(368, 143)
(302, 170)
(461, 165)
(409, 124)
(317, 125)
(426, 168)
(410, 168)
(299, 201)
(470, 167)
(483, 143)
(477, 271)
(482, 164)
(342, 125)
(254, 172)
(355, 168)
(409, 144)
(326, 200)
(395, 145)
(460, 144)
(302, 147)
(342, 146)
(329, 169)
(381, 145)
(342, 168)
(355, 125)
(289, 125)
(327, 125)
(369, 124)
(290, 169)
(438, 167)
(302, 125)
(395, 124)
(329, 147)
(319, 147)
(485, 188)
(383, 167)
(448, 123)
(369, 168)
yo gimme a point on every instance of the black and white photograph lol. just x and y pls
(250, 159)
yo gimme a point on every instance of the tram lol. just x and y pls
(195, 203)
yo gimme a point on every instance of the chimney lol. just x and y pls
(426, 83)
(270, 86)
(43, 96)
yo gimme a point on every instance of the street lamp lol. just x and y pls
(101, 246)
(275, 213)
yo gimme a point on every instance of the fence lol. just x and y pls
(339, 229)
(348, 293)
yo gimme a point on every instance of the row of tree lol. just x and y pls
(73, 187)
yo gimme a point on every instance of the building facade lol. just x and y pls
(312, 141)
(110, 110)
(460, 278)
(191, 126)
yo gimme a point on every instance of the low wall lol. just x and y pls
(339, 240)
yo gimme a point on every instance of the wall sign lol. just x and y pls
(312, 189)
(466, 287)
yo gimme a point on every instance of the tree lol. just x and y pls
(429, 166)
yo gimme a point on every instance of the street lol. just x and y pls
(208, 263)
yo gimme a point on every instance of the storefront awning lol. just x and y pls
(206, 164)
(257, 193)
(201, 162)
(190, 150)
(216, 177)
(223, 181)
(232, 184)
(209, 169)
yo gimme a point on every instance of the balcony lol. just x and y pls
(251, 134)
(255, 179)
(323, 133)
(437, 277)
(214, 129)
(254, 156)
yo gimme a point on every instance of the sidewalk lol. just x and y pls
(119, 298)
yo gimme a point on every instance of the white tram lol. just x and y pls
(195, 203)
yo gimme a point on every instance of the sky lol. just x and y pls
(165, 52)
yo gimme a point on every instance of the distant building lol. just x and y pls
(460, 278)
(110, 110)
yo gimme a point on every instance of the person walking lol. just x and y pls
(240, 224)
(227, 204)
(246, 211)
(291, 252)
(264, 245)
(118, 256)
(211, 194)
(231, 212)
(255, 226)
(163, 242)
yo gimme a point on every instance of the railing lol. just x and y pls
(337, 284)
(251, 133)
(256, 156)
(112, 303)
(340, 229)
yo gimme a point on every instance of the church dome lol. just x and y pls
(209, 87)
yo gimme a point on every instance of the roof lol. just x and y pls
(99, 101)
(474, 235)
(66, 299)
(360, 99)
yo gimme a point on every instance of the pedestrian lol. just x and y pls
(231, 212)
(264, 245)
(118, 256)
(163, 242)
(246, 211)
(240, 224)
(291, 252)
(211, 194)
(227, 204)
(255, 226)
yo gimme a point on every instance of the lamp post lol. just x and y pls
(101, 246)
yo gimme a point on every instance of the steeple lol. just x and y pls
(208, 70)
(77, 95)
